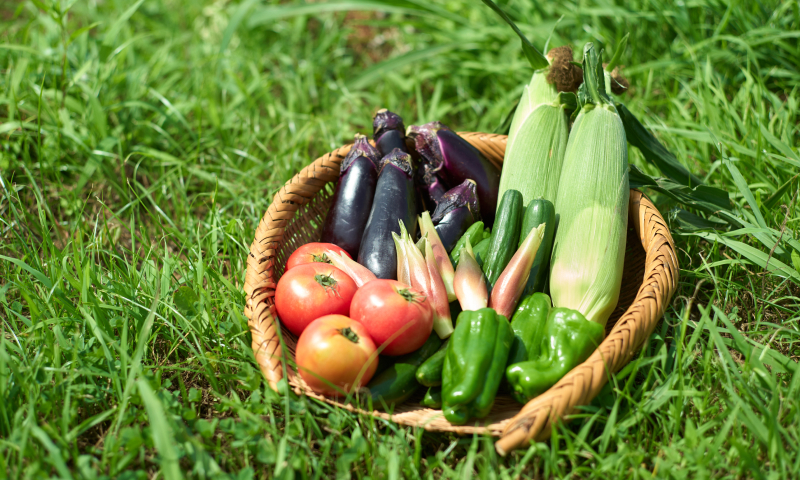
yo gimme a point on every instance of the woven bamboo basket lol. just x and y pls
(295, 217)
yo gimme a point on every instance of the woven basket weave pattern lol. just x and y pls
(295, 217)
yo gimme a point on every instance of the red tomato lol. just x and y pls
(335, 354)
(310, 291)
(396, 315)
(311, 253)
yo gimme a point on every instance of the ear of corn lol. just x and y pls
(537, 141)
(592, 205)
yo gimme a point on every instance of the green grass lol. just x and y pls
(140, 143)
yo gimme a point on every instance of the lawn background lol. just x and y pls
(140, 143)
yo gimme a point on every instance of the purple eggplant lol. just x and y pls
(352, 199)
(430, 186)
(394, 201)
(388, 132)
(458, 208)
(455, 160)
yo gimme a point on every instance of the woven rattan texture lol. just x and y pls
(295, 217)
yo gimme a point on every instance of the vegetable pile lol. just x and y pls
(528, 262)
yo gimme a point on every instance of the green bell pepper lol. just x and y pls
(548, 343)
(473, 367)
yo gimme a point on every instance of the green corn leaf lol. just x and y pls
(691, 222)
(653, 151)
(534, 56)
(708, 199)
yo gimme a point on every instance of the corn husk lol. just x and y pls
(537, 141)
(592, 206)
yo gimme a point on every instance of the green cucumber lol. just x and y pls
(433, 398)
(539, 211)
(474, 233)
(398, 382)
(505, 236)
(480, 251)
(429, 373)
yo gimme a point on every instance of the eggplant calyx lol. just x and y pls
(464, 195)
(384, 120)
(398, 159)
(361, 148)
(426, 141)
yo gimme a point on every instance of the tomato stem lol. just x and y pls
(410, 296)
(321, 258)
(349, 334)
(326, 282)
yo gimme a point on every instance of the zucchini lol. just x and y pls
(429, 373)
(505, 236)
(539, 211)
(433, 398)
(474, 233)
(398, 382)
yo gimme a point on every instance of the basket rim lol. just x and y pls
(535, 419)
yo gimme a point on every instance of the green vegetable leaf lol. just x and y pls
(703, 197)
(534, 56)
(618, 53)
(653, 151)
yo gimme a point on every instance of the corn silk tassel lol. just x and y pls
(592, 204)
(442, 322)
(512, 281)
(443, 263)
(539, 130)
(359, 273)
(469, 282)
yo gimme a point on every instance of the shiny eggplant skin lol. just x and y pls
(389, 132)
(395, 200)
(455, 160)
(463, 161)
(457, 209)
(453, 225)
(390, 140)
(351, 206)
